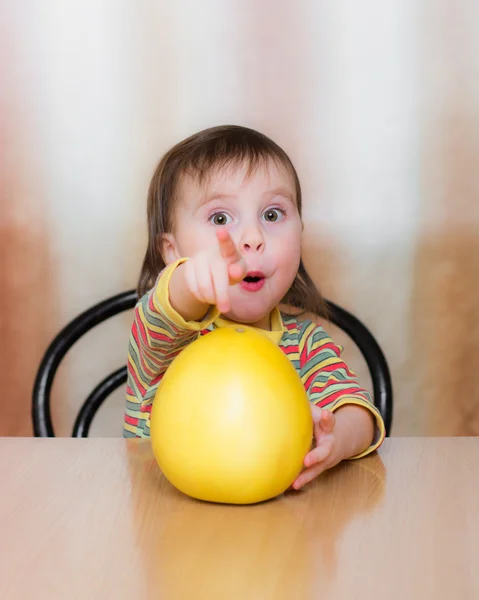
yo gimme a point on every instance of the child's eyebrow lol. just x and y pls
(270, 193)
(215, 196)
(281, 192)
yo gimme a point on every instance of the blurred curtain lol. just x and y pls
(376, 102)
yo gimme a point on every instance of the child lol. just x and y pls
(224, 225)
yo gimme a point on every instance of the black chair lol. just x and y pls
(42, 422)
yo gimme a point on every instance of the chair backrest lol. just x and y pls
(41, 415)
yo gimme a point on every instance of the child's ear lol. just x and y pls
(168, 247)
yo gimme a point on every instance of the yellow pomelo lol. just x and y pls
(231, 421)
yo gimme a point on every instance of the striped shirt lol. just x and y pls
(159, 334)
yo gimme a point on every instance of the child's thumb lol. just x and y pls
(237, 271)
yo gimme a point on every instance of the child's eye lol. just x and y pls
(271, 215)
(220, 218)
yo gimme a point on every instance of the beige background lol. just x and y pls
(377, 102)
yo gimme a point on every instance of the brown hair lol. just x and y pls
(198, 155)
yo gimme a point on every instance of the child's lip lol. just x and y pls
(252, 286)
(253, 281)
(257, 274)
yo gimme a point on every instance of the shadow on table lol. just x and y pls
(286, 547)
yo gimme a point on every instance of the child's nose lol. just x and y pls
(252, 240)
(255, 246)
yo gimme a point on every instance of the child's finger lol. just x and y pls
(228, 250)
(221, 285)
(328, 421)
(191, 279)
(317, 431)
(237, 271)
(204, 282)
(324, 426)
(308, 475)
(319, 454)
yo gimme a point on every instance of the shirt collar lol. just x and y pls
(277, 326)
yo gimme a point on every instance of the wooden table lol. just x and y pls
(96, 519)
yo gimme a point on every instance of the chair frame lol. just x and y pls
(41, 414)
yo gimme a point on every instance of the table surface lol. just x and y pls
(95, 518)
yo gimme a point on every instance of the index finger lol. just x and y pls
(228, 249)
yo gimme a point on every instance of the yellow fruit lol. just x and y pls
(231, 421)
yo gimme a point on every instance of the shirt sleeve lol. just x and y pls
(330, 383)
(157, 336)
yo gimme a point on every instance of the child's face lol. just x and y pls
(261, 215)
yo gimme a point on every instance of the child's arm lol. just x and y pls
(158, 334)
(331, 384)
(346, 423)
(183, 302)
(188, 296)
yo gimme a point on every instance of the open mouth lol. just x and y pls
(253, 281)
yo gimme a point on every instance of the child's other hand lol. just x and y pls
(326, 453)
(210, 273)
